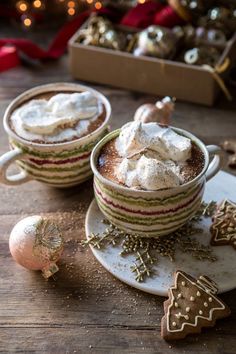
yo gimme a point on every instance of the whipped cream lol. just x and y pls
(63, 117)
(136, 136)
(147, 173)
(151, 156)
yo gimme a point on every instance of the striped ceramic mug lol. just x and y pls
(59, 165)
(152, 213)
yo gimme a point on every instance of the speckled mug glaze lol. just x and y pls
(152, 213)
(59, 165)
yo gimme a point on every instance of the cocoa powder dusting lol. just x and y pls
(109, 158)
(194, 165)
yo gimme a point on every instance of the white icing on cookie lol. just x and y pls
(225, 229)
(207, 285)
(200, 315)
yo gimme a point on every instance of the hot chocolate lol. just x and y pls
(55, 117)
(149, 156)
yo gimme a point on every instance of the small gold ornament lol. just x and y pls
(100, 32)
(156, 41)
(202, 55)
(221, 18)
(196, 7)
(192, 36)
(159, 112)
(212, 36)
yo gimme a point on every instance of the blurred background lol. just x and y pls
(191, 41)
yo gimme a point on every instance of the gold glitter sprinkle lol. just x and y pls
(147, 250)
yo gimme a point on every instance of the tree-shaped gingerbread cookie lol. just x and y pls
(223, 228)
(192, 304)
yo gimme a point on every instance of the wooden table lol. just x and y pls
(84, 309)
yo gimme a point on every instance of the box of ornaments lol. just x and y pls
(190, 61)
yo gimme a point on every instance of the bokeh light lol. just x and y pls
(71, 11)
(22, 6)
(98, 5)
(37, 4)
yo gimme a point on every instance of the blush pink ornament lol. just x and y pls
(36, 243)
(160, 112)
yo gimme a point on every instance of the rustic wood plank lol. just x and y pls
(112, 340)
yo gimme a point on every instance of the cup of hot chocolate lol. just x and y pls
(149, 179)
(52, 130)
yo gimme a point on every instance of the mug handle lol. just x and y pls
(214, 166)
(5, 161)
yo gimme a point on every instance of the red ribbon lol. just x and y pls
(57, 47)
(9, 58)
(167, 17)
(142, 15)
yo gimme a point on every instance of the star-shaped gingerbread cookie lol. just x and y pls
(223, 228)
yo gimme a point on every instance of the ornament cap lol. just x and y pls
(49, 270)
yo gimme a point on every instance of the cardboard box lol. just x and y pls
(146, 74)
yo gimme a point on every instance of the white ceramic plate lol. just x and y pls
(223, 271)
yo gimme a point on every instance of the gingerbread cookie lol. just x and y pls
(223, 228)
(192, 304)
(230, 146)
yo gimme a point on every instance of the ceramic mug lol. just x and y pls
(152, 213)
(60, 164)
